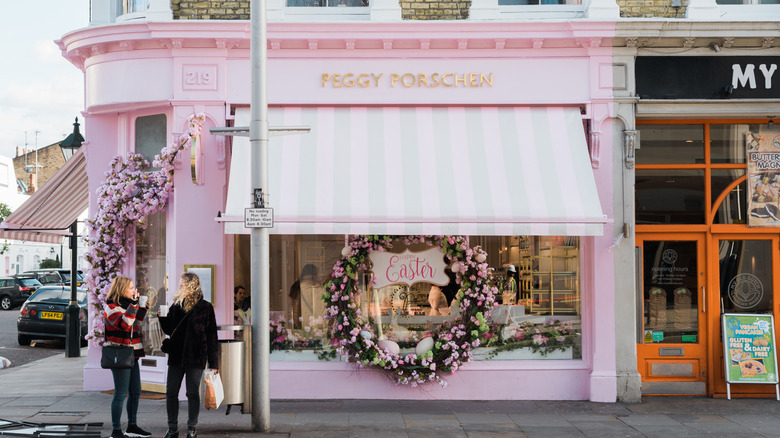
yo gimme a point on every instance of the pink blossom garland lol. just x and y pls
(129, 194)
(454, 341)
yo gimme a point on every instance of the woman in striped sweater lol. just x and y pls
(123, 327)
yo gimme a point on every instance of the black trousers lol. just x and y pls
(192, 386)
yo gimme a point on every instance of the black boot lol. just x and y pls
(172, 433)
(192, 433)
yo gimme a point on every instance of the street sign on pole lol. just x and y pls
(259, 217)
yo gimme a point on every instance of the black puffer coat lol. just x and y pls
(195, 341)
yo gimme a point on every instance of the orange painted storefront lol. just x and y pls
(706, 249)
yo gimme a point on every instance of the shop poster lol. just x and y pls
(749, 344)
(763, 167)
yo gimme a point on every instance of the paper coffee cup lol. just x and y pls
(163, 310)
(142, 300)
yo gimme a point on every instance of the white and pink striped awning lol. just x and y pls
(47, 214)
(423, 170)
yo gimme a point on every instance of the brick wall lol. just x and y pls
(49, 157)
(650, 8)
(239, 9)
(434, 9)
(210, 10)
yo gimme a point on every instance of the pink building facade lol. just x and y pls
(466, 86)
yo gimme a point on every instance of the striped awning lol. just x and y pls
(423, 170)
(47, 214)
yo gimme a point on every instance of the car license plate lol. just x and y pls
(51, 315)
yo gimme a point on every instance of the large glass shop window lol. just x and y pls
(150, 276)
(537, 317)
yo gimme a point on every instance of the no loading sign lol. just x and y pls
(746, 291)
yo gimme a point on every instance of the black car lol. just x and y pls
(43, 315)
(55, 276)
(16, 289)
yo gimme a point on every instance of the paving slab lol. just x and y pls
(431, 421)
(490, 427)
(435, 433)
(381, 420)
(476, 417)
(495, 434)
(367, 432)
(540, 420)
(552, 432)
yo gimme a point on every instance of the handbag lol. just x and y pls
(165, 347)
(118, 356)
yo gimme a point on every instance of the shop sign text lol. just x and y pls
(409, 267)
(406, 80)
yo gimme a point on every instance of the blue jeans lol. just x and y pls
(126, 382)
(192, 385)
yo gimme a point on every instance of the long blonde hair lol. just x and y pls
(118, 286)
(189, 293)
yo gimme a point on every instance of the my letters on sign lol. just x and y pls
(409, 267)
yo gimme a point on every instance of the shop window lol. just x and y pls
(680, 144)
(151, 277)
(727, 142)
(150, 135)
(670, 196)
(538, 316)
(745, 277)
(732, 210)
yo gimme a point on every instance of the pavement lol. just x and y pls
(50, 391)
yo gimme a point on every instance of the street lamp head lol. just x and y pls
(74, 140)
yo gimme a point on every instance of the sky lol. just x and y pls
(39, 89)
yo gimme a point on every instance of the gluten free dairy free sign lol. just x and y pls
(409, 267)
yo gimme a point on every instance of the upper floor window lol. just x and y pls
(327, 3)
(150, 134)
(748, 2)
(538, 2)
(131, 6)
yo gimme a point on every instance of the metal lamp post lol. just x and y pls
(72, 326)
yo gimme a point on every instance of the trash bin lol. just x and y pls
(234, 366)
(231, 370)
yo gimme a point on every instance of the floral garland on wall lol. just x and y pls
(129, 194)
(443, 352)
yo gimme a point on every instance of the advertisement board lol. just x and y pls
(763, 164)
(749, 348)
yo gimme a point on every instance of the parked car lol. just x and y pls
(55, 276)
(43, 315)
(16, 289)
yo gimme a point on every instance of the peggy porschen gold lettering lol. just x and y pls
(406, 80)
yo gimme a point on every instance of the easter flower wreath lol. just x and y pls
(448, 349)
(128, 195)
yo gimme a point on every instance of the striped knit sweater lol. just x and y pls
(120, 318)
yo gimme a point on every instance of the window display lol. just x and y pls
(536, 314)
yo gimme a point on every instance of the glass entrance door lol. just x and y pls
(671, 349)
(745, 270)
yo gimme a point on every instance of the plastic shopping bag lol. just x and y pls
(214, 392)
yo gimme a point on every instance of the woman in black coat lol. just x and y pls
(192, 327)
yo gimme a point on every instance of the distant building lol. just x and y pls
(23, 256)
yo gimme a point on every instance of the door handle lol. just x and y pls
(703, 299)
